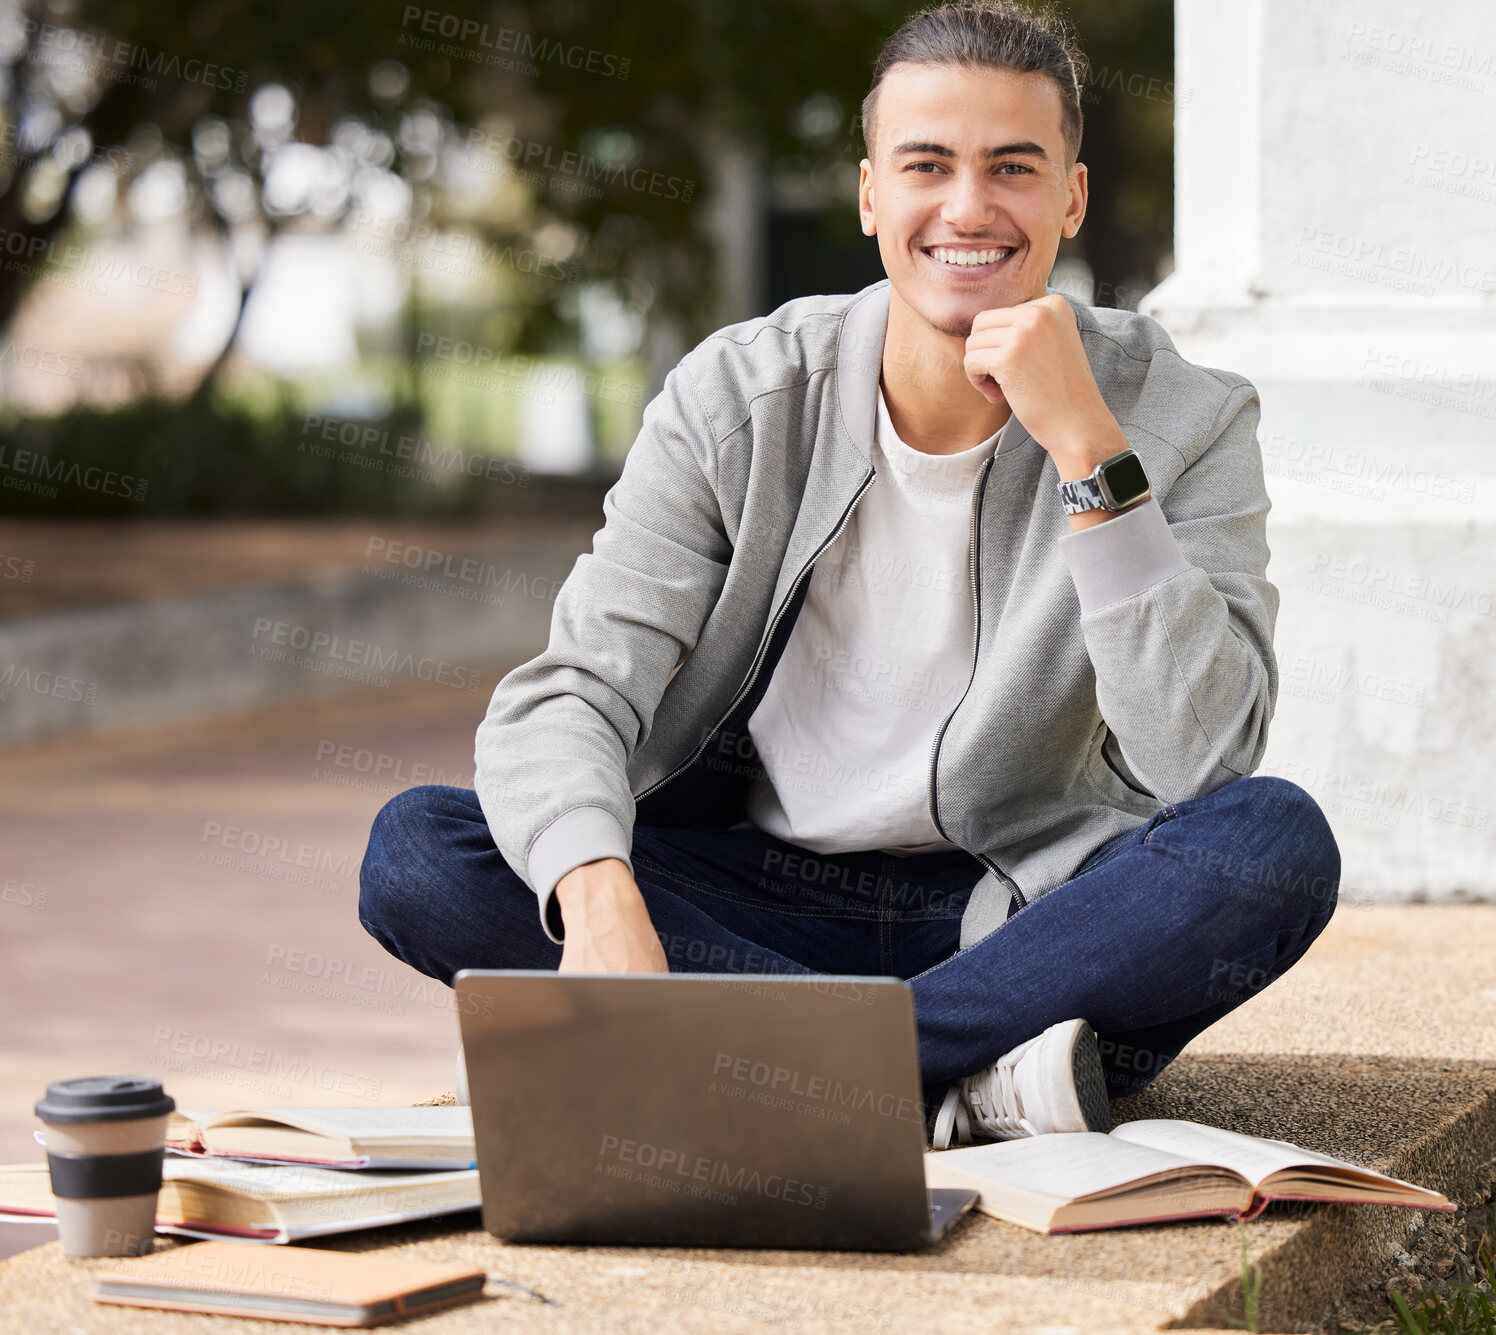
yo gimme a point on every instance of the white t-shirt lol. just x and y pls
(879, 655)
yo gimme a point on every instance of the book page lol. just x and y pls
(363, 1125)
(278, 1181)
(1078, 1163)
(184, 1128)
(1254, 1157)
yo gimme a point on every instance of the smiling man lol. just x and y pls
(928, 634)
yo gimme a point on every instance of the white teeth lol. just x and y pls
(967, 258)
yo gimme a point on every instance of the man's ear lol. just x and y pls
(1075, 211)
(865, 197)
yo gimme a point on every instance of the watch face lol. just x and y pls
(1126, 479)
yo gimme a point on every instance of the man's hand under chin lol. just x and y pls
(607, 925)
(1031, 354)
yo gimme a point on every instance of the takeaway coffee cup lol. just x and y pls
(105, 1136)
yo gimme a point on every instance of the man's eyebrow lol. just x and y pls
(1026, 147)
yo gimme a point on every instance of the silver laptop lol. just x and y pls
(699, 1110)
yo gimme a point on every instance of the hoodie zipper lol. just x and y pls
(976, 635)
(763, 648)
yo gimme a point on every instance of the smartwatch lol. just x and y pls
(1117, 483)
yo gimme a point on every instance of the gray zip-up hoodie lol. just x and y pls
(1115, 669)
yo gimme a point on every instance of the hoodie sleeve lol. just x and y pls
(1178, 616)
(551, 753)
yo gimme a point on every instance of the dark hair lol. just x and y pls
(996, 33)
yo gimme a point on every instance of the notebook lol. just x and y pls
(287, 1284)
(1153, 1170)
(218, 1198)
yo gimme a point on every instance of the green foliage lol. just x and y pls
(159, 459)
(696, 70)
(1459, 1308)
(783, 78)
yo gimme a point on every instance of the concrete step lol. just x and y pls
(1430, 1121)
(368, 608)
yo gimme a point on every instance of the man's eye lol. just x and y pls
(1017, 167)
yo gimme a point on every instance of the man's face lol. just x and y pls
(937, 186)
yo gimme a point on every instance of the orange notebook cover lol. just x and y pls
(290, 1283)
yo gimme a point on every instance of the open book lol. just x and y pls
(220, 1198)
(1149, 1171)
(357, 1137)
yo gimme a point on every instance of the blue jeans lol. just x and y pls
(1163, 930)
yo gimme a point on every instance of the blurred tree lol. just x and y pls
(268, 113)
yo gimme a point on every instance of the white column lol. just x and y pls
(1335, 242)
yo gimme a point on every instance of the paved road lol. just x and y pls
(146, 930)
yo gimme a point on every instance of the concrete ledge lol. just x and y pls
(206, 653)
(1432, 1121)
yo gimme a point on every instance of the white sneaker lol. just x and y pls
(462, 1089)
(1053, 1082)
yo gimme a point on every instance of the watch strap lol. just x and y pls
(1081, 494)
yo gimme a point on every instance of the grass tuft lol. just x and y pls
(1460, 1307)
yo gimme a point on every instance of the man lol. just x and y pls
(928, 634)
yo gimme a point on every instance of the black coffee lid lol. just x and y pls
(104, 1098)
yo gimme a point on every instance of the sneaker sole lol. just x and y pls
(1090, 1079)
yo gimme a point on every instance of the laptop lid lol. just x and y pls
(696, 1109)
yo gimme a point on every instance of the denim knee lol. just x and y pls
(1291, 813)
(397, 840)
